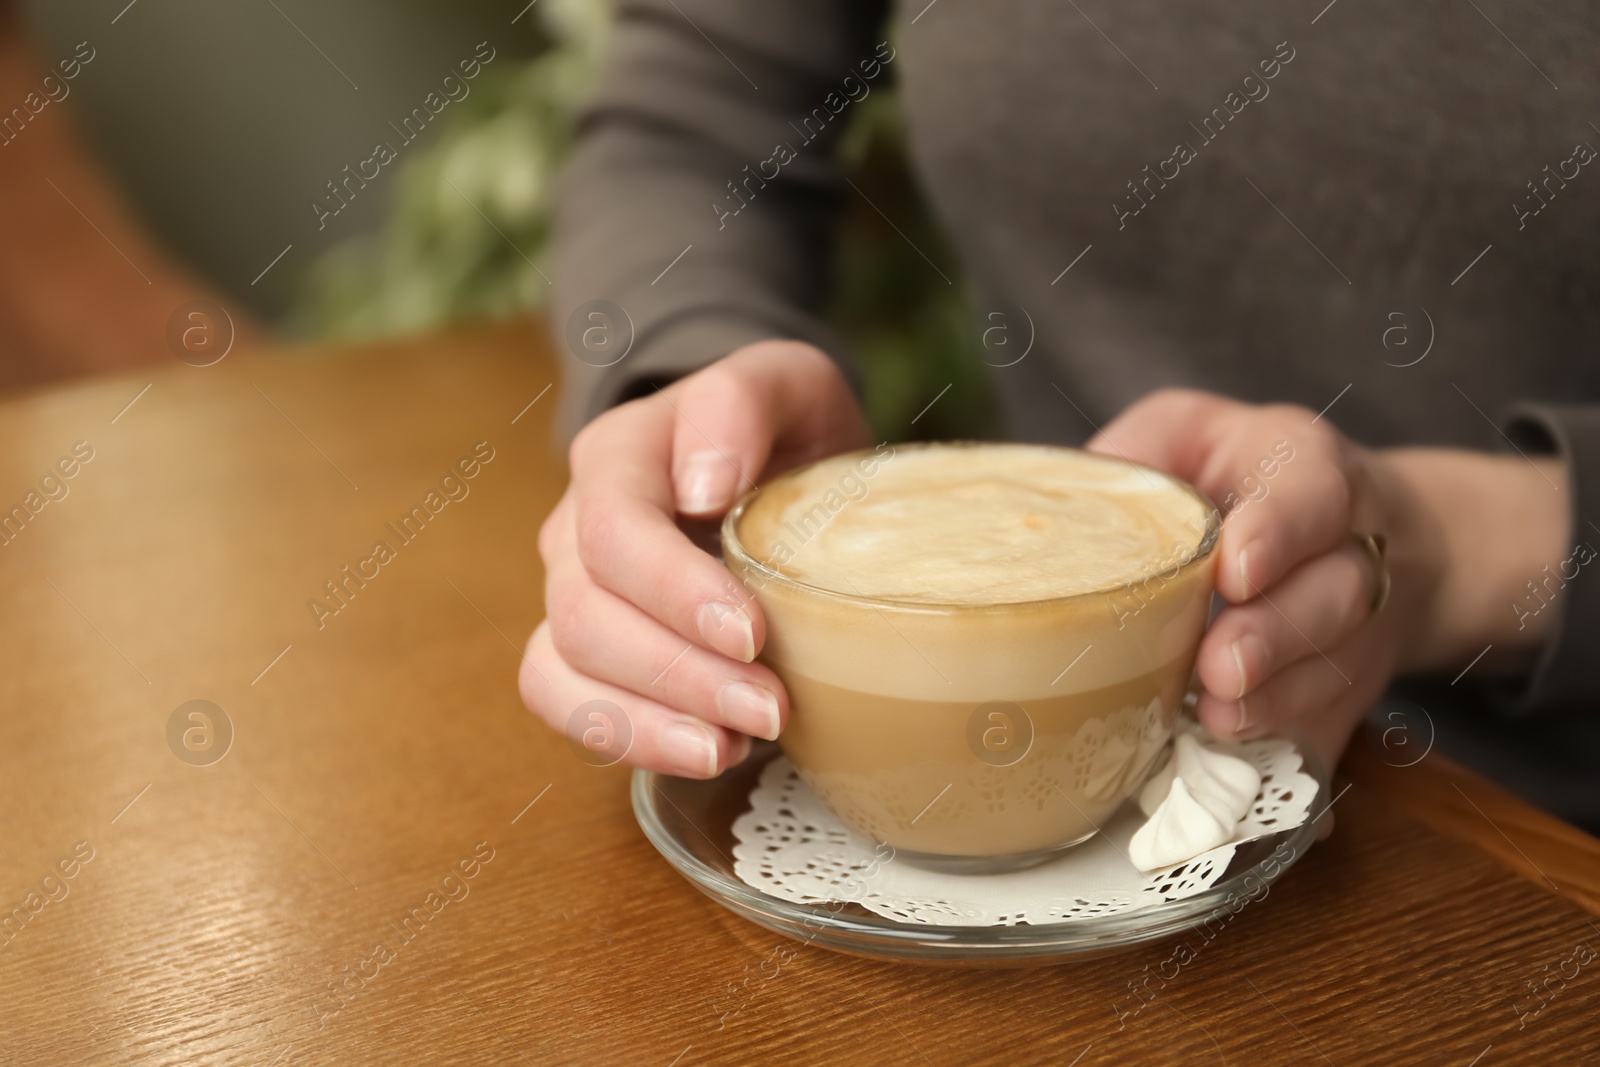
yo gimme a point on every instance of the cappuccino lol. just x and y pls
(985, 646)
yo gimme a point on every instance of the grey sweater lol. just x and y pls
(1388, 211)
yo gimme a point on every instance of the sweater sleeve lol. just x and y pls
(695, 215)
(1566, 676)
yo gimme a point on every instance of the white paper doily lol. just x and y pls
(792, 847)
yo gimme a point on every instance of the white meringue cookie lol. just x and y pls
(1154, 791)
(1160, 784)
(1182, 828)
(1219, 774)
(1232, 783)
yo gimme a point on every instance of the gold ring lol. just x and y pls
(1376, 546)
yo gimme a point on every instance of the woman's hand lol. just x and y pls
(1299, 642)
(637, 615)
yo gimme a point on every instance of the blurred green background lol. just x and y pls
(436, 259)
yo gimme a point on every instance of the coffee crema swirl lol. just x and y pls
(966, 524)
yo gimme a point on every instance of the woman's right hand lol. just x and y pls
(636, 614)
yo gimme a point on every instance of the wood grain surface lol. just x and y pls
(381, 769)
(1454, 801)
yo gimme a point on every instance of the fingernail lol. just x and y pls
(749, 708)
(690, 748)
(1243, 722)
(741, 750)
(727, 629)
(1250, 656)
(1250, 585)
(707, 483)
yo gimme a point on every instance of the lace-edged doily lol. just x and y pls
(792, 847)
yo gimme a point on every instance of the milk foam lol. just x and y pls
(961, 524)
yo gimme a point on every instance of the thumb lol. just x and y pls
(1168, 430)
(722, 436)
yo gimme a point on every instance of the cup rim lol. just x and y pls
(734, 550)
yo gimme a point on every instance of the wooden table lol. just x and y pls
(213, 903)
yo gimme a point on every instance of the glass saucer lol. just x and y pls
(690, 822)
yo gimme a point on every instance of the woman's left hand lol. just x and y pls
(1299, 642)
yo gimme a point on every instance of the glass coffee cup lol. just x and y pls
(937, 703)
